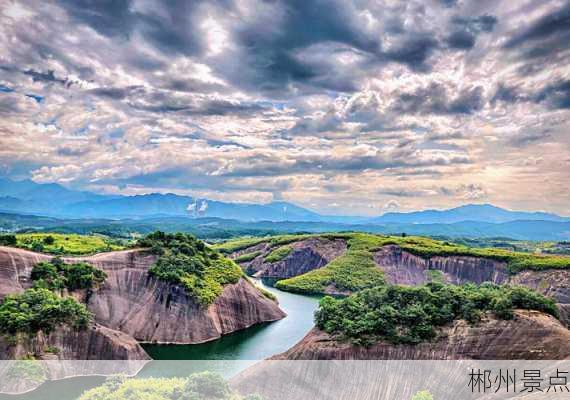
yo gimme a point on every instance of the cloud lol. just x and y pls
(436, 98)
(391, 206)
(344, 102)
(553, 28)
(466, 30)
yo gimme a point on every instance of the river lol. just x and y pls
(255, 343)
(228, 355)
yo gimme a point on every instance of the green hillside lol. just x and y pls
(355, 270)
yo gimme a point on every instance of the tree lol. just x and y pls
(49, 240)
(8, 240)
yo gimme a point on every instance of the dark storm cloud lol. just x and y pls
(436, 99)
(111, 92)
(553, 27)
(49, 77)
(414, 51)
(108, 17)
(161, 101)
(542, 44)
(170, 27)
(466, 30)
(554, 95)
(305, 23)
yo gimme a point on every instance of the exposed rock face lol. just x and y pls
(404, 268)
(15, 268)
(531, 335)
(307, 255)
(155, 311)
(93, 343)
(554, 283)
(150, 310)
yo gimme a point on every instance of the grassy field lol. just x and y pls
(55, 243)
(356, 270)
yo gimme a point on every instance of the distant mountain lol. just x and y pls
(48, 193)
(218, 228)
(28, 197)
(55, 200)
(469, 212)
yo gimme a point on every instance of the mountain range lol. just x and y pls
(54, 200)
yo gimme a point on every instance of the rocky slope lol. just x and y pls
(64, 343)
(404, 268)
(306, 255)
(150, 310)
(531, 335)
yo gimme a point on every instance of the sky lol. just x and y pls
(346, 107)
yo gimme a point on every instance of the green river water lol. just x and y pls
(228, 355)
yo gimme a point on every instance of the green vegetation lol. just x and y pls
(247, 257)
(410, 315)
(57, 275)
(204, 385)
(436, 276)
(516, 261)
(40, 310)
(422, 395)
(278, 254)
(355, 270)
(8, 240)
(60, 244)
(187, 261)
(232, 246)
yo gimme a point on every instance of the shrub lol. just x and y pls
(247, 257)
(278, 254)
(185, 260)
(8, 240)
(411, 314)
(40, 310)
(49, 240)
(204, 385)
(58, 275)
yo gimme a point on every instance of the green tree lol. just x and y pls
(49, 240)
(8, 240)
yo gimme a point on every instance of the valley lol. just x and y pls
(174, 297)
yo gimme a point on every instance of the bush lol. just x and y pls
(49, 240)
(410, 314)
(244, 258)
(8, 240)
(204, 385)
(185, 260)
(40, 310)
(278, 254)
(58, 275)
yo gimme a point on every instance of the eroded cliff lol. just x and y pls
(531, 335)
(144, 307)
(306, 255)
(403, 268)
(65, 343)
